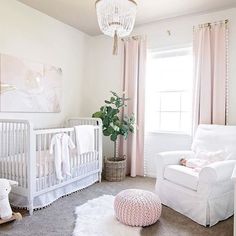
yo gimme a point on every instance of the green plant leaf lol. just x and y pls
(131, 129)
(113, 125)
(114, 94)
(106, 122)
(114, 137)
(110, 129)
(112, 99)
(97, 114)
(116, 128)
(113, 112)
(115, 119)
(106, 132)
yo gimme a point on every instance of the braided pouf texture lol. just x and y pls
(136, 207)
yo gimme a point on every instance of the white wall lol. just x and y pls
(27, 33)
(103, 74)
(107, 71)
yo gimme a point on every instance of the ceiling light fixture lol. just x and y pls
(116, 18)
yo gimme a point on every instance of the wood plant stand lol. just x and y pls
(15, 216)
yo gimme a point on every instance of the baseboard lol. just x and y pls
(151, 175)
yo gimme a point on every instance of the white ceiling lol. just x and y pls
(81, 14)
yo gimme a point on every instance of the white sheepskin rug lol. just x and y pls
(96, 218)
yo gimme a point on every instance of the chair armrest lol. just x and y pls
(170, 158)
(216, 172)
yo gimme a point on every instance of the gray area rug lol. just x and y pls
(58, 219)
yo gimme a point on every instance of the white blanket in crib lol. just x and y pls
(85, 138)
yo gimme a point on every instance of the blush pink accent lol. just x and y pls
(134, 88)
(137, 207)
(210, 54)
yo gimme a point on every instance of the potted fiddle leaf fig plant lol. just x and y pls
(113, 127)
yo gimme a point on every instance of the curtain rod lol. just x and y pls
(135, 37)
(209, 24)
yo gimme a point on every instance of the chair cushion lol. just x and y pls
(182, 175)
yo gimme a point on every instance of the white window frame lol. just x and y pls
(187, 47)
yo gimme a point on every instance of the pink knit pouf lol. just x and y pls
(137, 207)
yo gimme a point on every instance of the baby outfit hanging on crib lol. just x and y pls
(60, 144)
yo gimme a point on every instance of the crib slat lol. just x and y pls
(50, 174)
(2, 150)
(24, 157)
(9, 151)
(23, 154)
(16, 144)
(45, 159)
(20, 161)
(40, 161)
(5, 149)
(13, 153)
(16, 151)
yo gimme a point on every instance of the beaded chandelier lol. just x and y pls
(116, 18)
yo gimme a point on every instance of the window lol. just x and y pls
(169, 91)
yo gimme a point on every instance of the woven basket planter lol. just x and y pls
(115, 171)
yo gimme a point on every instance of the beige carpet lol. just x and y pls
(58, 219)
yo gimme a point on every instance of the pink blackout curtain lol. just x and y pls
(210, 54)
(134, 88)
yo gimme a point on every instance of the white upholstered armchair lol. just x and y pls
(206, 197)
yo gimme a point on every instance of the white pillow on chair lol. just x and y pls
(220, 155)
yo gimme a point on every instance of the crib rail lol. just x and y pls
(80, 165)
(83, 121)
(45, 168)
(14, 150)
(96, 122)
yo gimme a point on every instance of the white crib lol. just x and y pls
(25, 158)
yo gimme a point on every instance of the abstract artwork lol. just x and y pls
(27, 86)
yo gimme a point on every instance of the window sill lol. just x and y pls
(168, 133)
